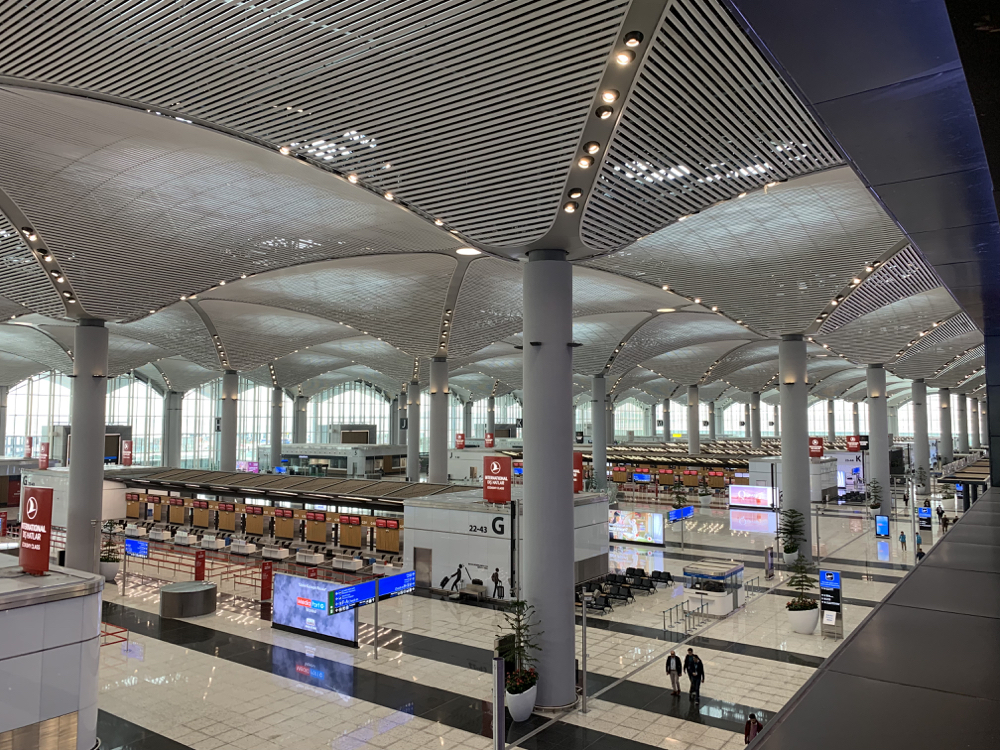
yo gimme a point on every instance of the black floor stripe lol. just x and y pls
(117, 733)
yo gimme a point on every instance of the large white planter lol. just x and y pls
(109, 570)
(790, 557)
(804, 620)
(521, 705)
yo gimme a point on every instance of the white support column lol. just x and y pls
(227, 441)
(467, 419)
(777, 421)
(86, 463)
(755, 420)
(856, 417)
(984, 424)
(878, 435)
(893, 414)
(746, 421)
(794, 388)
(720, 422)
(400, 415)
(299, 425)
(491, 421)
(393, 420)
(172, 424)
(437, 467)
(973, 410)
(831, 423)
(599, 430)
(667, 435)
(711, 422)
(547, 531)
(413, 432)
(921, 446)
(277, 405)
(610, 422)
(3, 418)
(694, 423)
(962, 423)
(946, 446)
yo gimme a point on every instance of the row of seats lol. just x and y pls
(619, 587)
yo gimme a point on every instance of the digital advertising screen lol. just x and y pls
(642, 477)
(748, 496)
(925, 515)
(754, 521)
(882, 526)
(304, 604)
(635, 526)
(882, 550)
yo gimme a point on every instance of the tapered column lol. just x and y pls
(86, 459)
(401, 415)
(962, 423)
(467, 419)
(599, 430)
(946, 446)
(667, 434)
(610, 419)
(755, 420)
(413, 432)
(711, 421)
(277, 403)
(227, 440)
(694, 428)
(746, 420)
(973, 409)
(720, 428)
(794, 391)
(300, 432)
(491, 422)
(172, 424)
(831, 422)
(3, 418)
(548, 472)
(893, 413)
(856, 418)
(437, 446)
(984, 424)
(878, 434)
(777, 421)
(921, 445)
(393, 420)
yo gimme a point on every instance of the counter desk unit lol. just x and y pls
(714, 586)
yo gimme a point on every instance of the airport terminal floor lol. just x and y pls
(227, 681)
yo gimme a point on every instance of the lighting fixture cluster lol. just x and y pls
(954, 359)
(920, 335)
(220, 350)
(48, 262)
(416, 369)
(445, 331)
(855, 283)
(274, 376)
(611, 359)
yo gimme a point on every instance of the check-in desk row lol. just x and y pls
(312, 527)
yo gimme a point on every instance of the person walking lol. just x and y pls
(674, 669)
(940, 511)
(751, 729)
(906, 502)
(696, 673)
(945, 523)
(902, 540)
(918, 540)
(458, 579)
(920, 553)
(497, 585)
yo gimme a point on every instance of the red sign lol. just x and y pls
(392, 524)
(496, 479)
(854, 443)
(355, 520)
(36, 530)
(313, 573)
(459, 440)
(3, 523)
(488, 442)
(27, 447)
(199, 565)
(380, 523)
(43, 456)
(266, 580)
(345, 519)
(126, 452)
(815, 447)
(577, 471)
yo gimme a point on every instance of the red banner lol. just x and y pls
(27, 447)
(496, 479)
(199, 565)
(126, 452)
(3, 523)
(36, 530)
(854, 443)
(488, 442)
(43, 456)
(266, 580)
(459, 440)
(577, 471)
(815, 447)
(313, 573)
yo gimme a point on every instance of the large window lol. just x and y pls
(631, 416)
(34, 407)
(199, 440)
(507, 410)
(133, 402)
(843, 416)
(347, 403)
(254, 419)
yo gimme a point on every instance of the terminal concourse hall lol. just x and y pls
(347, 343)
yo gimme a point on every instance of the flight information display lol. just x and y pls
(349, 597)
(136, 548)
(401, 583)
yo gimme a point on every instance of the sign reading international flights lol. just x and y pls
(43, 456)
(854, 443)
(27, 447)
(36, 530)
(126, 452)
(199, 565)
(577, 471)
(750, 496)
(488, 441)
(459, 440)
(496, 479)
(815, 447)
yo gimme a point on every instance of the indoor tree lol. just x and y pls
(518, 646)
(791, 530)
(802, 582)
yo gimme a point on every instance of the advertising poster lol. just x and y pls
(199, 565)
(36, 530)
(882, 526)
(750, 496)
(27, 447)
(266, 580)
(303, 604)
(854, 443)
(496, 479)
(925, 515)
(815, 447)
(636, 526)
(754, 521)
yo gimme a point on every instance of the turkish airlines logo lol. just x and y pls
(495, 467)
(32, 510)
(814, 441)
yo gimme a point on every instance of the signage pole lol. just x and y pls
(499, 710)
(376, 619)
(683, 520)
(819, 557)
(583, 676)
(124, 567)
(913, 521)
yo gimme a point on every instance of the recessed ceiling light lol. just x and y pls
(625, 57)
(633, 39)
(571, 207)
(575, 193)
(604, 112)
(285, 150)
(609, 96)
(468, 251)
(666, 309)
(388, 196)
(592, 148)
(352, 178)
(438, 222)
(585, 161)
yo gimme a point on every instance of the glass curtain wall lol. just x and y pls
(842, 415)
(507, 410)
(630, 416)
(136, 403)
(253, 429)
(199, 440)
(34, 407)
(346, 403)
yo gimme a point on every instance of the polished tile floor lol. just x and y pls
(227, 680)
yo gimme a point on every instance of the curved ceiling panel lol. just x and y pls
(180, 207)
(381, 356)
(599, 336)
(687, 365)
(124, 353)
(14, 368)
(489, 306)
(177, 329)
(181, 375)
(22, 279)
(31, 343)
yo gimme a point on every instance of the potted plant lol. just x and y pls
(517, 647)
(803, 612)
(110, 557)
(791, 531)
(874, 494)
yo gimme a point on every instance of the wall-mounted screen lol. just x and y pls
(635, 526)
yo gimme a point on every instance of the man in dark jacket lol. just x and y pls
(674, 669)
(751, 729)
(695, 669)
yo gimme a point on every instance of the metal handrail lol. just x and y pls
(675, 614)
(753, 587)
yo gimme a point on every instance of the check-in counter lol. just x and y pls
(284, 523)
(133, 506)
(227, 516)
(715, 479)
(387, 535)
(351, 533)
(317, 528)
(179, 512)
(201, 514)
(254, 520)
(690, 477)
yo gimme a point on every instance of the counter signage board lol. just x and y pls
(577, 471)
(126, 452)
(854, 443)
(27, 447)
(199, 565)
(579, 437)
(830, 604)
(925, 515)
(815, 447)
(137, 548)
(266, 580)
(43, 456)
(863, 442)
(459, 441)
(496, 479)
(349, 597)
(36, 530)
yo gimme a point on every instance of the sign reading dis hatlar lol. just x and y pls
(496, 479)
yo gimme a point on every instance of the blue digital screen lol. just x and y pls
(518, 471)
(349, 597)
(829, 579)
(303, 604)
(401, 583)
(642, 478)
(678, 513)
(136, 548)
(882, 550)
(959, 487)
(855, 469)
(924, 512)
(882, 526)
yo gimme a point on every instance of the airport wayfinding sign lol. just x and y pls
(36, 530)
(496, 479)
